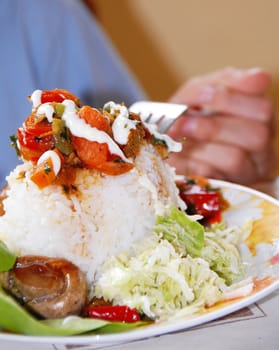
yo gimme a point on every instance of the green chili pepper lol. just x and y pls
(62, 136)
(59, 109)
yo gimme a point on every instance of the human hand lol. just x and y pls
(235, 142)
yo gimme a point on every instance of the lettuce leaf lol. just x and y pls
(7, 259)
(182, 231)
(14, 318)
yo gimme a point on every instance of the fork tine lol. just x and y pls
(166, 124)
(160, 113)
(155, 118)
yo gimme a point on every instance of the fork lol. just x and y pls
(164, 114)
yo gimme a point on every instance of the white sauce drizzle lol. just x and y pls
(122, 125)
(36, 98)
(56, 161)
(173, 146)
(47, 110)
(80, 128)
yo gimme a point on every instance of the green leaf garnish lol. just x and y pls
(7, 259)
(14, 318)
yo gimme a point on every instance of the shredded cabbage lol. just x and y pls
(181, 266)
(158, 281)
(221, 253)
(182, 230)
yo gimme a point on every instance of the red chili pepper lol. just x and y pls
(202, 201)
(117, 313)
(205, 204)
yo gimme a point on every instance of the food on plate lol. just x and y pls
(100, 225)
(49, 287)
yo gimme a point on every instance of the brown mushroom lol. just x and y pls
(49, 287)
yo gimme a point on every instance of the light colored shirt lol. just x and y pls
(47, 44)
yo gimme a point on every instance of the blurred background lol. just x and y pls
(166, 42)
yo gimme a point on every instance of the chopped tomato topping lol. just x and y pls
(35, 141)
(91, 153)
(43, 174)
(38, 135)
(96, 155)
(58, 95)
(115, 167)
(94, 118)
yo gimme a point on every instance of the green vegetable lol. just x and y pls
(16, 319)
(7, 259)
(62, 136)
(222, 254)
(59, 108)
(13, 139)
(158, 282)
(182, 231)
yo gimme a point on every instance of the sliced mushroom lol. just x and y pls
(50, 287)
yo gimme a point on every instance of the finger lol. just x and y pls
(253, 81)
(233, 163)
(216, 99)
(189, 166)
(224, 129)
(234, 103)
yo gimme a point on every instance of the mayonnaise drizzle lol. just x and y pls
(56, 161)
(122, 125)
(173, 146)
(47, 110)
(36, 98)
(80, 128)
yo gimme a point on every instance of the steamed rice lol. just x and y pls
(104, 217)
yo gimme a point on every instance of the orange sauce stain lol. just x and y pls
(223, 303)
(258, 286)
(265, 230)
(263, 283)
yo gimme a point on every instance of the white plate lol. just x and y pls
(263, 244)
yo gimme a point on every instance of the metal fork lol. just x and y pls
(164, 114)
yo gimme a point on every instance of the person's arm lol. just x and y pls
(236, 143)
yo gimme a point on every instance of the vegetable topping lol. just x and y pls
(107, 140)
(203, 200)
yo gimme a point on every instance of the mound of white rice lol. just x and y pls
(104, 217)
